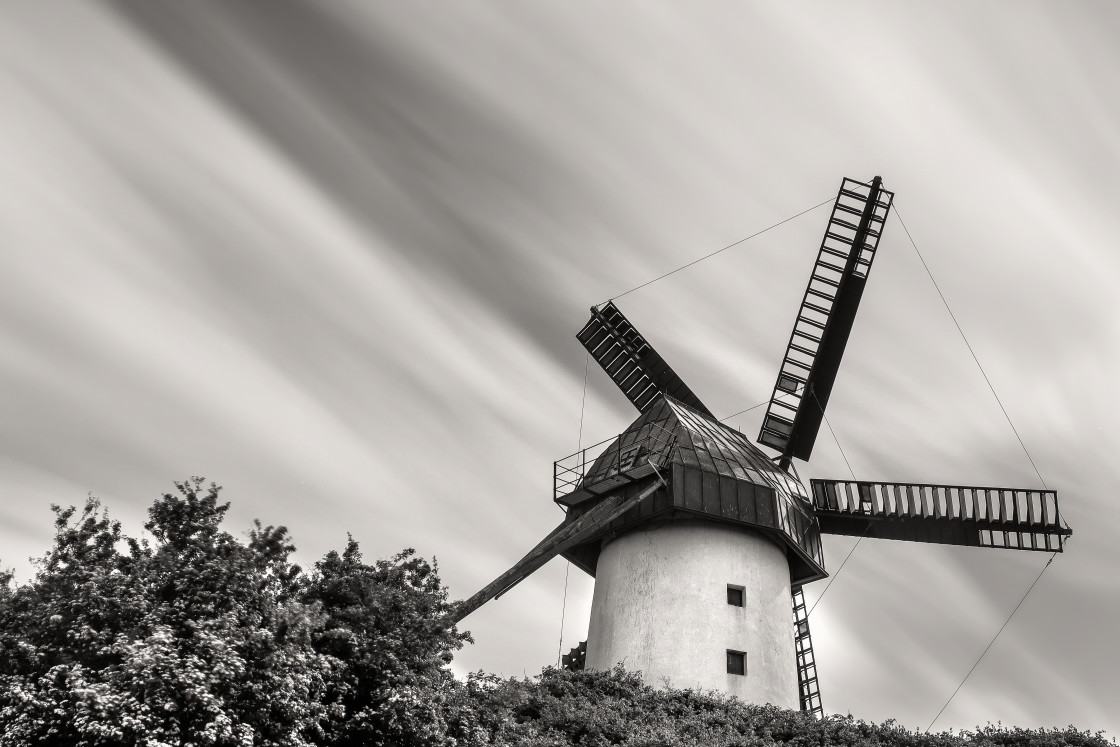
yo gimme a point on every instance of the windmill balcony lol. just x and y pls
(595, 470)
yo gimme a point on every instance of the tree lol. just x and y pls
(194, 638)
(197, 638)
(387, 625)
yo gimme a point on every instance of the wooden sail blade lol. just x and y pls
(824, 321)
(631, 362)
(1011, 518)
(567, 535)
(807, 685)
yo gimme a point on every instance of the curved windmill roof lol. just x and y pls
(712, 472)
(700, 441)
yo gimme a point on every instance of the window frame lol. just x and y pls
(741, 656)
(742, 595)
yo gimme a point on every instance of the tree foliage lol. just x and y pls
(195, 638)
(387, 626)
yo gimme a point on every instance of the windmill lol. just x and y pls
(700, 542)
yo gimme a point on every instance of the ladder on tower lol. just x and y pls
(806, 665)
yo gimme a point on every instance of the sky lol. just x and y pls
(334, 256)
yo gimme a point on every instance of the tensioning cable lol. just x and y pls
(1019, 438)
(568, 566)
(721, 249)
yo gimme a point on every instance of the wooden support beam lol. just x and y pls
(563, 537)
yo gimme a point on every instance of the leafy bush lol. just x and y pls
(616, 708)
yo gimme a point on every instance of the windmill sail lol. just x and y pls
(561, 538)
(807, 685)
(1011, 518)
(631, 362)
(825, 319)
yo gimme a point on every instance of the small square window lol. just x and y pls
(735, 595)
(736, 662)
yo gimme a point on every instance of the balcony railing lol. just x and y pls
(631, 455)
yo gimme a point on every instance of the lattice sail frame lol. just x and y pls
(631, 362)
(824, 319)
(1008, 518)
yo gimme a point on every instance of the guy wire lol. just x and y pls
(1022, 444)
(991, 642)
(968, 345)
(865, 531)
(722, 249)
(568, 566)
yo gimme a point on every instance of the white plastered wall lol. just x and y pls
(660, 606)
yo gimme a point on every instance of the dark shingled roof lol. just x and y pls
(713, 471)
(700, 442)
